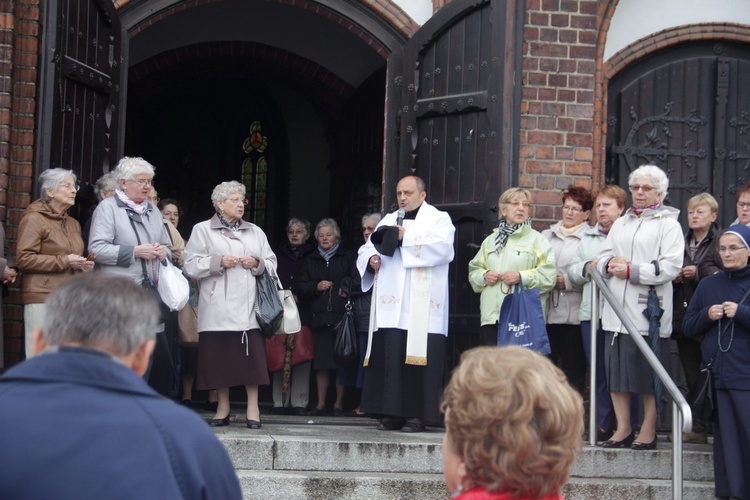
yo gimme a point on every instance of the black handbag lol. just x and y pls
(703, 394)
(269, 310)
(345, 344)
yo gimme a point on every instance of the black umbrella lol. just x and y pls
(654, 313)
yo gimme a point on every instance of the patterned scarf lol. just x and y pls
(505, 230)
(639, 210)
(232, 227)
(327, 254)
(139, 208)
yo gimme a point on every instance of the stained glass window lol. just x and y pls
(255, 174)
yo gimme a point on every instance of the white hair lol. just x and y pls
(655, 174)
(223, 191)
(128, 168)
(51, 178)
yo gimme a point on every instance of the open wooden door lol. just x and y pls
(82, 92)
(453, 99)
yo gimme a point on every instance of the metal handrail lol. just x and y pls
(682, 417)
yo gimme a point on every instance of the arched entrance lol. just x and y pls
(201, 76)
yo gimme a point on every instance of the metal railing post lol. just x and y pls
(682, 417)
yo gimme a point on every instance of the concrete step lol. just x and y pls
(327, 457)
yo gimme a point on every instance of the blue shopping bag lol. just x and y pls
(521, 321)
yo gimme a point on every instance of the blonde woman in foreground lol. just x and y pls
(513, 426)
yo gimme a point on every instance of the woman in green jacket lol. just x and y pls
(513, 253)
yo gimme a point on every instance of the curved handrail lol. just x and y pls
(682, 416)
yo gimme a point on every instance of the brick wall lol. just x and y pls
(557, 108)
(19, 57)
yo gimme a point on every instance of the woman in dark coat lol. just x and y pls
(320, 281)
(291, 254)
(718, 312)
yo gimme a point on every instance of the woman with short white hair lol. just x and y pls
(226, 254)
(50, 246)
(643, 252)
(127, 238)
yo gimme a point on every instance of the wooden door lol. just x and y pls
(687, 110)
(82, 91)
(453, 100)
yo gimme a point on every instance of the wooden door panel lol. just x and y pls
(677, 110)
(81, 92)
(447, 98)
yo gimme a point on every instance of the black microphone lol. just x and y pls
(400, 217)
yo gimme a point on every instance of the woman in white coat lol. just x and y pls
(226, 253)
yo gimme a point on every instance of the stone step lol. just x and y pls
(284, 485)
(327, 457)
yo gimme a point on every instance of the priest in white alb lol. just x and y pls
(406, 263)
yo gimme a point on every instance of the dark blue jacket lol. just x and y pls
(78, 424)
(731, 368)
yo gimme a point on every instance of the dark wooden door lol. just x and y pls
(687, 110)
(453, 99)
(82, 91)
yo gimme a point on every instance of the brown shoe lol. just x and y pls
(692, 437)
(695, 437)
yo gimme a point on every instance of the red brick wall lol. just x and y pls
(557, 108)
(19, 57)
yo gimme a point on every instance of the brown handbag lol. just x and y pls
(301, 344)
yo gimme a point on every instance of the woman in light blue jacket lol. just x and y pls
(513, 253)
(609, 205)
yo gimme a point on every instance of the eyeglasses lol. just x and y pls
(575, 210)
(293, 232)
(68, 185)
(731, 249)
(237, 201)
(743, 204)
(143, 182)
(645, 189)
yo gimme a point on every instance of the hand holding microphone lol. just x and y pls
(399, 223)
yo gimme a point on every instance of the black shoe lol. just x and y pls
(625, 443)
(340, 412)
(186, 403)
(278, 410)
(414, 425)
(318, 413)
(211, 405)
(604, 435)
(390, 424)
(299, 410)
(253, 424)
(636, 445)
(219, 422)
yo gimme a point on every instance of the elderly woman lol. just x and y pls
(354, 376)
(226, 253)
(720, 313)
(171, 211)
(513, 426)
(609, 206)
(564, 302)
(643, 252)
(128, 239)
(50, 247)
(513, 253)
(320, 281)
(291, 254)
(700, 246)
